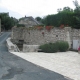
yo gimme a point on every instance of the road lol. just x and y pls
(15, 68)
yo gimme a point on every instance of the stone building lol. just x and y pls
(36, 37)
(29, 21)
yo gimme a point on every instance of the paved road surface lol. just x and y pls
(15, 68)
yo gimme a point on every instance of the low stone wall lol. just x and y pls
(36, 37)
(12, 47)
(30, 48)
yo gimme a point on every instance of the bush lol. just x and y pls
(55, 47)
(49, 48)
(63, 46)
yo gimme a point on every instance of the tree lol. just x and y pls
(77, 14)
(76, 3)
(64, 16)
(67, 9)
(59, 10)
(38, 19)
(7, 22)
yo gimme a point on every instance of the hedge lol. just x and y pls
(55, 47)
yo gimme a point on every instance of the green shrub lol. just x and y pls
(55, 47)
(49, 48)
(63, 46)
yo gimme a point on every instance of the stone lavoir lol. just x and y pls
(36, 37)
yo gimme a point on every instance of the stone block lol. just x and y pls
(30, 48)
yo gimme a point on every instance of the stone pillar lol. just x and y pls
(68, 39)
(68, 35)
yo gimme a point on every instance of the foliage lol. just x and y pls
(77, 15)
(62, 46)
(38, 19)
(55, 47)
(21, 18)
(64, 16)
(20, 25)
(7, 22)
(49, 48)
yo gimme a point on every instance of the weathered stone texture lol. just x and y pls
(76, 33)
(30, 48)
(35, 37)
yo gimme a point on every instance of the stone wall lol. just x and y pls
(36, 37)
(76, 34)
(30, 48)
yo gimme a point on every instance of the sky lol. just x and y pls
(20, 8)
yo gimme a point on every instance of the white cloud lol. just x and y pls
(35, 7)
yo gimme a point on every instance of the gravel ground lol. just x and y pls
(65, 63)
